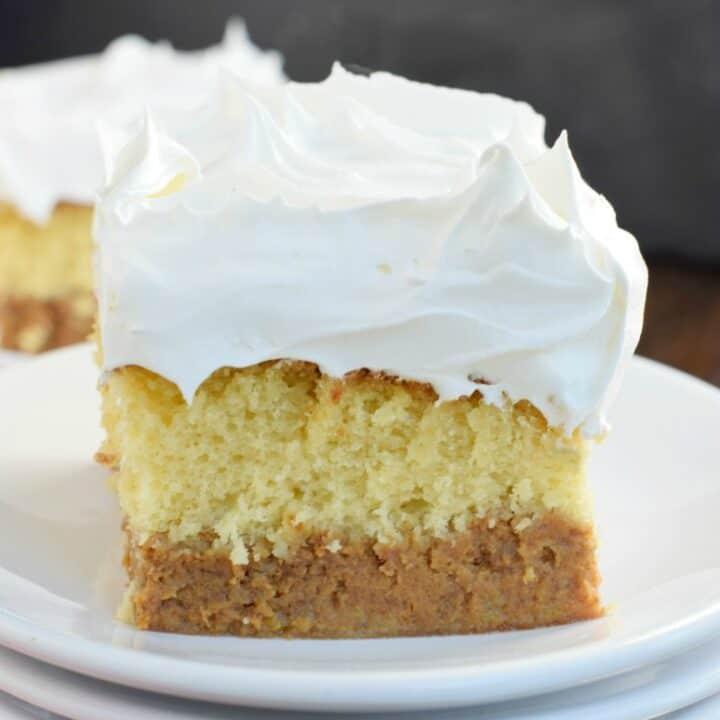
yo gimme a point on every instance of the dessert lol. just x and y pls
(357, 340)
(51, 167)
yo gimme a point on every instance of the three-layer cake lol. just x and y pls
(357, 339)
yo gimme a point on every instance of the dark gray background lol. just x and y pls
(636, 83)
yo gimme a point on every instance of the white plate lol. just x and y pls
(646, 693)
(8, 357)
(658, 501)
(704, 710)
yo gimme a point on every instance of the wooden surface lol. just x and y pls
(682, 320)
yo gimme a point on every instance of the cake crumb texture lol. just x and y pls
(269, 455)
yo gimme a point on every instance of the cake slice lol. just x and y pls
(358, 338)
(51, 168)
(46, 297)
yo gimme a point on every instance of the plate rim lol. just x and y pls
(704, 688)
(473, 684)
(450, 686)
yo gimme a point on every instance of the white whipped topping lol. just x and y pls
(368, 223)
(48, 138)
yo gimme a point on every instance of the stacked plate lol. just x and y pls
(8, 357)
(658, 650)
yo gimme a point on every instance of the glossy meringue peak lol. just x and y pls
(49, 150)
(368, 222)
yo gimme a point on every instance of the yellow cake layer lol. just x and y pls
(269, 453)
(46, 261)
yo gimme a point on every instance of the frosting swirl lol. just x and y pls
(368, 222)
(48, 138)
